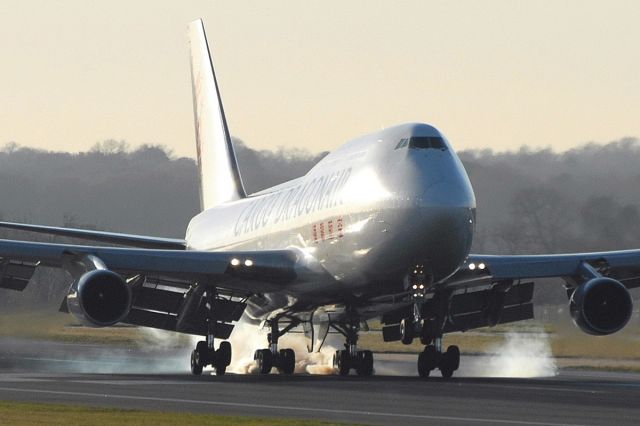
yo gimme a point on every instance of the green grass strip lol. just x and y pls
(20, 413)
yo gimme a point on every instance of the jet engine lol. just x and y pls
(99, 298)
(601, 306)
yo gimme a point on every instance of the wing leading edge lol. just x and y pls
(623, 265)
(101, 236)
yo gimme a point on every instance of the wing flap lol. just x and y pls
(472, 320)
(15, 274)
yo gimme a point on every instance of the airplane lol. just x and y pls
(380, 228)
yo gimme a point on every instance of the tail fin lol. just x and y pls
(219, 175)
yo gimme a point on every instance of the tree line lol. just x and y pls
(529, 201)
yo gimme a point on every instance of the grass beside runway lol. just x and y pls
(18, 413)
(575, 348)
(64, 328)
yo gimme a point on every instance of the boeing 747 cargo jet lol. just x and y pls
(381, 228)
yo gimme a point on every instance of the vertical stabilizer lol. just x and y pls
(219, 175)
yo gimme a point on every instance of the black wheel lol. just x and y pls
(203, 353)
(220, 370)
(287, 361)
(406, 330)
(341, 361)
(264, 359)
(428, 360)
(196, 368)
(450, 361)
(365, 363)
(223, 354)
(453, 352)
(422, 369)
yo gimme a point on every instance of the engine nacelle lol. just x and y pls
(601, 306)
(100, 298)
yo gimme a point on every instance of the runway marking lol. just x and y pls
(289, 408)
(544, 388)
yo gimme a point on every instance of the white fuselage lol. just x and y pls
(366, 213)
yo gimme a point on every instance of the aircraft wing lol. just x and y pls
(167, 286)
(107, 237)
(495, 289)
(269, 270)
(623, 266)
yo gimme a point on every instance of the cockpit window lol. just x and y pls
(403, 142)
(424, 142)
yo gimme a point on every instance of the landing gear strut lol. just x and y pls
(350, 357)
(205, 353)
(284, 359)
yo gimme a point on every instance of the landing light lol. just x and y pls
(235, 262)
(421, 287)
(415, 287)
(481, 265)
(248, 262)
(472, 266)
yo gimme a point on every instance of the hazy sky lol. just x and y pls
(314, 74)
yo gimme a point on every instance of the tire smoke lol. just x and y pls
(521, 355)
(246, 338)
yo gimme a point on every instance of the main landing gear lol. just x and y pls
(350, 357)
(432, 357)
(284, 359)
(205, 353)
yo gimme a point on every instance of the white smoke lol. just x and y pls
(246, 338)
(520, 355)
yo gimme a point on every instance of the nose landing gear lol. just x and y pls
(430, 329)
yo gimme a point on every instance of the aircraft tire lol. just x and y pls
(342, 362)
(287, 361)
(406, 330)
(203, 353)
(223, 354)
(196, 368)
(264, 359)
(446, 371)
(450, 361)
(422, 370)
(453, 352)
(365, 363)
(428, 360)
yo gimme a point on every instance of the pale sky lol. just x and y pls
(314, 74)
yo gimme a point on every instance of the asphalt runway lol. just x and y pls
(128, 378)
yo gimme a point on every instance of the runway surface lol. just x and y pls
(63, 374)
